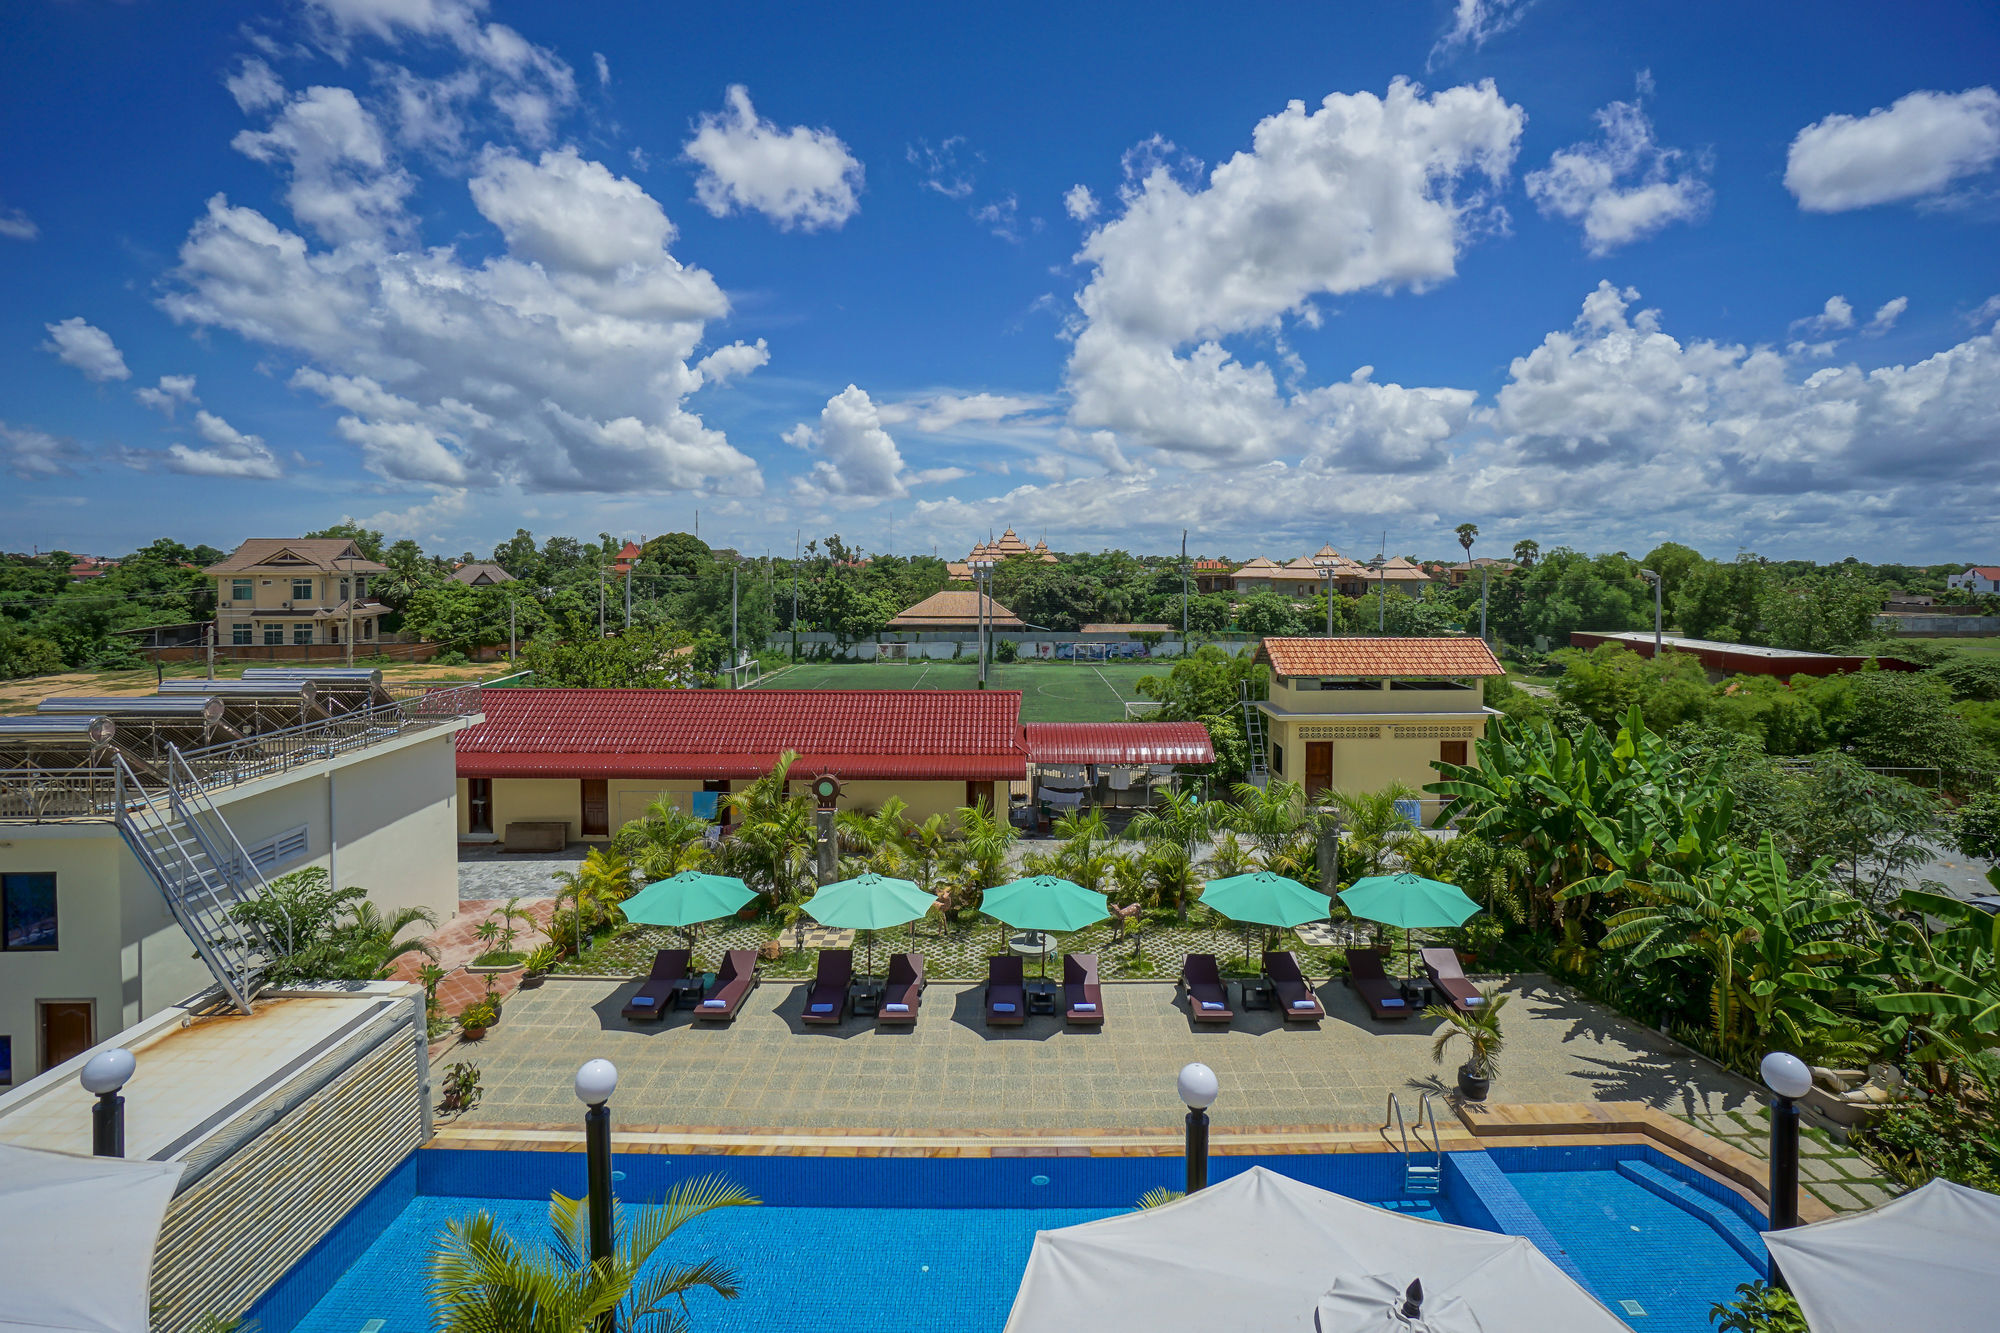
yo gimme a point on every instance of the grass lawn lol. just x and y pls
(1050, 691)
(21, 696)
(1991, 645)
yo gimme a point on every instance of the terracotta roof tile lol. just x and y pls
(973, 735)
(950, 609)
(1379, 657)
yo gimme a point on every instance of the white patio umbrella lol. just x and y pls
(1924, 1261)
(1262, 1251)
(76, 1239)
(1391, 1303)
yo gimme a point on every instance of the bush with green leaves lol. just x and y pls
(315, 932)
(1759, 1308)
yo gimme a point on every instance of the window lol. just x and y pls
(6, 1062)
(274, 635)
(240, 590)
(27, 912)
(302, 634)
(240, 635)
(367, 629)
(1277, 757)
(278, 849)
(302, 590)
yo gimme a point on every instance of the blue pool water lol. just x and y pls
(938, 1246)
(1633, 1245)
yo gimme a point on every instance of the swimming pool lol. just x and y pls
(938, 1245)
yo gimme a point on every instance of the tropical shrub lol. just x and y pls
(319, 933)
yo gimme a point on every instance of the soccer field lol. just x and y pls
(1050, 691)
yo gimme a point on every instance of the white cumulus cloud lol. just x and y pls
(733, 362)
(1080, 203)
(172, 392)
(17, 226)
(800, 177)
(231, 453)
(853, 455)
(343, 182)
(255, 86)
(32, 454)
(87, 347)
(1364, 193)
(1622, 186)
(1886, 316)
(1916, 148)
(1476, 22)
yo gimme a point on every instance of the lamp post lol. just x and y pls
(1327, 569)
(982, 584)
(595, 1082)
(1788, 1079)
(1381, 600)
(104, 1074)
(1657, 583)
(1198, 1089)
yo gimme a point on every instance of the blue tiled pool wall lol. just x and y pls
(890, 1182)
(1485, 1198)
(1606, 1157)
(307, 1281)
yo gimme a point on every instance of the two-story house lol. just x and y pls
(1976, 578)
(272, 591)
(1359, 714)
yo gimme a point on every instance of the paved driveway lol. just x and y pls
(769, 1070)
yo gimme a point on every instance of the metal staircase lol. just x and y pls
(1254, 735)
(202, 870)
(1418, 1178)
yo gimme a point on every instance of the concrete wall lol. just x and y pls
(120, 947)
(965, 645)
(1918, 626)
(1286, 695)
(562, 798)
(1370, 753)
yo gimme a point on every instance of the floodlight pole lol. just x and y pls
(1483, 572)
(512, 650)
(630, 570)
(1184, 595)
(1658, 584)
(735, 651)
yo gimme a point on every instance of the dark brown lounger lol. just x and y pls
(1006, 995)
(826, 1001)
(732, 986)
(1083, 998)
(1294, 993)
(655, 994)
(1448, 979)
(1382, 996)
(903, 992)
(1208, 993)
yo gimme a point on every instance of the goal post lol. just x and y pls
(892, 652)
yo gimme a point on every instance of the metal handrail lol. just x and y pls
(1393, 1115)
(238, 866)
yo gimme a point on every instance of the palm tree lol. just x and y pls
(1272, 817)
(483, 1281)
(772, 848)
(665, 840)
(1377, 829)
(1176, 834)
(1466, 533)
(978, 860)
(593, 889)
(1526, 550)
(368, 942)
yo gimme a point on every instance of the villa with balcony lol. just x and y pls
(272, 592)
(1360, 714)
(130, 826)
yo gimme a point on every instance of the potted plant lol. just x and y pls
(538, 964)
(1481, 1030)
(461, 1087)
(477, 1017)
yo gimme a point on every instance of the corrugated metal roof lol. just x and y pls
(1379, 657)
(1119, 743)
(856, 734)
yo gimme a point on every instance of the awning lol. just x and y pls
(77, 1237)
(1924, 1261)
(1118, 743)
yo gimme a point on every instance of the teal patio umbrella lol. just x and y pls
(868, 902)
(1045, 902)
(1265, 899)
(686, 900)
(1409, 901)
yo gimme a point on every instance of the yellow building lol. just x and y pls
(271, 592)
(1358, 714)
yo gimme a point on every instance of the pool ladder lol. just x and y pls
(1417, 1177)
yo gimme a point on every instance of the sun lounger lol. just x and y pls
(732, 986)
(1006, 994)
(903, 991)
(1449, 981)
(1083, 998)
(1294, 993)
(656, 993)
(1382, 995)
(1208, 993)
(826, 999)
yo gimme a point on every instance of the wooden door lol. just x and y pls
(1319, 766)
(980, 793)
(596, 809)
(67, 1030)
(1452, 752)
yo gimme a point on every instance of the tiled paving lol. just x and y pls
(949, 1071)
(485, 871)
(1829, 1170)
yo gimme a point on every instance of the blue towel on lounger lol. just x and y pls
(644, 1001)
(1082, 1006)
(1305, 1004)
(715, 1004)
(1213, 1004)
(895, 1008)
(1003, 1008)
(1475, 999)
(1390, 1004)
(822, 1008)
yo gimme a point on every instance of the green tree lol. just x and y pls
(366, 540)
(1723, 601)
(484, 1281)
(650, 658)
(1175, 832)
(1608, 681)
(316, 932)
(1270, 613)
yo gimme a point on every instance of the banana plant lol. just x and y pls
(1945, 983)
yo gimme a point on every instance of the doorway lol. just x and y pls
(68, 1029)
(1319, 767)
(596, 809)
(479, 805)
(1452, 752)
(978, 794)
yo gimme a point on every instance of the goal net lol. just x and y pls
(1142, 708)
(893, 652)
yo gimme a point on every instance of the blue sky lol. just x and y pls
(1589, 274)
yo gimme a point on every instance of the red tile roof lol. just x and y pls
(1379, 657)
(1119, 743)
(942, 735)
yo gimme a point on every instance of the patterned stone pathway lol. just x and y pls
(1830, 1171)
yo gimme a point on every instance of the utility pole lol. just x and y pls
(797, 550)
(1184, 573)
(353, 596)
(511, 651)
(213, 626)
(600, 602)
(630, 570)
(735, 650)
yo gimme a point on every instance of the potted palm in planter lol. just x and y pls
(538, 964)
(477, 1017)
(1481, 1031)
